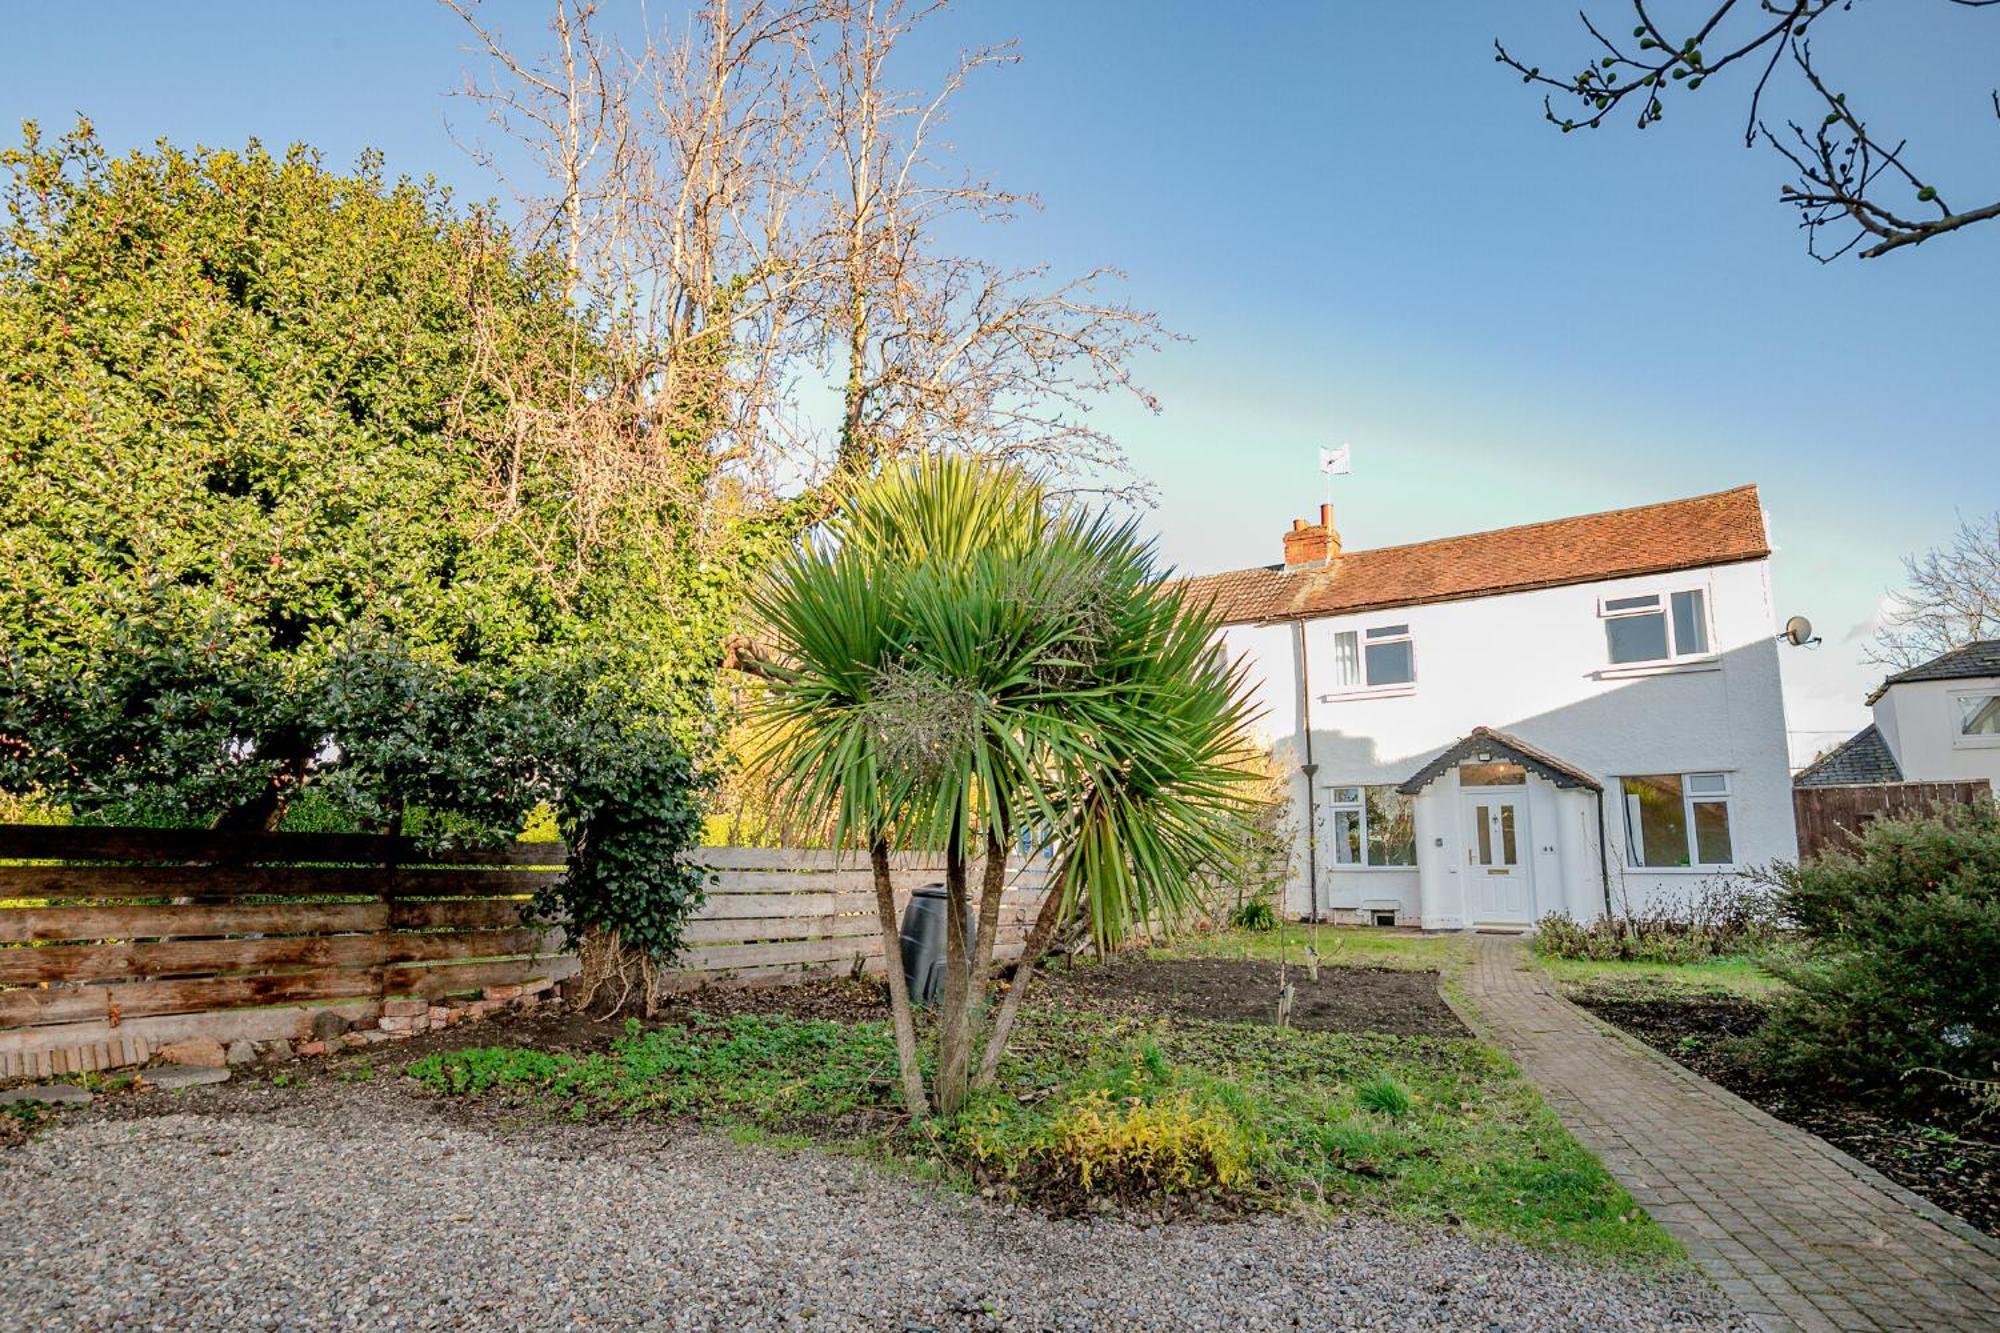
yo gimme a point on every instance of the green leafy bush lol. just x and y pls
(1722, 918)
(1897, 989)
(1254, 915)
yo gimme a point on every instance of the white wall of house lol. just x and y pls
(1535, 665)
(1920, 721)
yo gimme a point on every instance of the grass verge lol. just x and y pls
(1089, 1108)
(1339, 946)
(1738, 976)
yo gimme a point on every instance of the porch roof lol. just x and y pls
(1485, 740)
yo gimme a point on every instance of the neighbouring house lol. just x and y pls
(1936, 722)
(1480, 730)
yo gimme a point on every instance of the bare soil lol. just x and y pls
(1343, 999)
(1953, 1163)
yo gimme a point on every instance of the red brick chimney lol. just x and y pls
(1307, 546)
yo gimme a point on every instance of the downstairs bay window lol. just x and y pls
(1372, 826)
(1678, 821)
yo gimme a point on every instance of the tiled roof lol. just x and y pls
(1981, 657)
(1485, 740)
(1863, 757)
(1652, 539)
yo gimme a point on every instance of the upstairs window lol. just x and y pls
(1654, 628)
(1367, 659)
(1372, 826)
(1678, 820)
(1979, 719)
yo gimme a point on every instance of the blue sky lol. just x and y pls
(1366, 234)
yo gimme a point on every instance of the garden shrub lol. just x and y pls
(1722, 918)
(1897, 988)
(1135, 1146)
(1254, 915)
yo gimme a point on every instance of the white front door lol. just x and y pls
(1496, 857)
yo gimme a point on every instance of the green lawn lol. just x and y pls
(1733, 976)
(1436, 1130)
(1339, 946)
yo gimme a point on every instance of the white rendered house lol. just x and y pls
(1481, 730)
(1939, 721)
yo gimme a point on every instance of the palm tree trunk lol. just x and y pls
(955, 1013)
(991, 888)
(901, 1016)
(1043, 931)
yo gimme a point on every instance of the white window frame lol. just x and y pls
(1960, 738)
(1725, 797)
(1350, 649)
(1335, 804)
(1660, 604)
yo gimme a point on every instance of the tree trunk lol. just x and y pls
(1044, 930)
(955, 1014)
(899, 989)
(992, 886)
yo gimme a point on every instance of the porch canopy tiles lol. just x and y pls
(1485, 743)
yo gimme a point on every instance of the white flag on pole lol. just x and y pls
(1333, 462)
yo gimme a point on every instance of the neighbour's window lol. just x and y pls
(1368, 658)
(1373, 826)
(1979, 716)
(1653, 628)
(1678, 819)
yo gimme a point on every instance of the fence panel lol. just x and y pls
(114, 941)
(1830, 817)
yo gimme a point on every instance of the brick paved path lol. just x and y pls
(1796, 1232)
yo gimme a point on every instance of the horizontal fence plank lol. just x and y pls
(264, 881)
(182, 958)
(179, 958)
(72, 842)
(728, 906)
(69, 1004)
(456, 913)
(19, 925)
(439, 979)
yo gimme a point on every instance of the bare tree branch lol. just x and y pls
(1844, 171)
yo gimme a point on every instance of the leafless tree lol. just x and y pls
(1854, 186)
(1953, 597)
(752, 209)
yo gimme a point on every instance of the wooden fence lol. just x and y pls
(115, 941)
(1830, 817)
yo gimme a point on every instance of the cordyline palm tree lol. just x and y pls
(955, 663)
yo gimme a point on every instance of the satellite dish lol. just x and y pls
(1798, 632)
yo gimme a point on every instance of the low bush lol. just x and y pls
(1129, 1128)
(1722, 918)
(1254, 915)
(1896, 989)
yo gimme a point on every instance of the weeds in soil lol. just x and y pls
(1384, 1095)
(1089, 1107)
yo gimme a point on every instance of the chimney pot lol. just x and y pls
(1308, 545)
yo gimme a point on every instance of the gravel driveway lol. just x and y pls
(364, 1207)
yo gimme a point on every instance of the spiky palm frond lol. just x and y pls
(960, 657)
